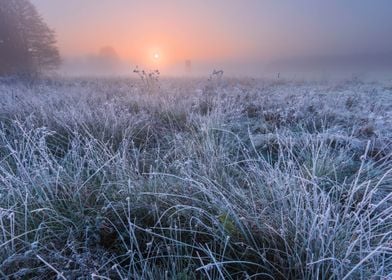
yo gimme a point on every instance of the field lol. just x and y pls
(195, 179)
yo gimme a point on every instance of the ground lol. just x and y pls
(195, 179)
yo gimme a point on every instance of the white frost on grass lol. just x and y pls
(248, 178)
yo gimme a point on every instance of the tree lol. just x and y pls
(12, 53)
(27, 44)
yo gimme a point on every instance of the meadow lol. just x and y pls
(195, 179)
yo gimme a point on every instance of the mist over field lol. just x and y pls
(241, 38)
(195, 139)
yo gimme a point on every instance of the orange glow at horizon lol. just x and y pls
(158, 36)
(212, 33)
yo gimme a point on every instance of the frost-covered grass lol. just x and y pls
(236, 179)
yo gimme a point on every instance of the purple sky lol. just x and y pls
(219, 31)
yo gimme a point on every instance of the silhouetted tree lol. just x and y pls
(27, 44)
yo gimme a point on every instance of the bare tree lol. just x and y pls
(27, 44)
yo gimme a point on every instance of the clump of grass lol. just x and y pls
(149, 79)
(248, 189)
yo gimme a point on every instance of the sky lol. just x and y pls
(236, 34)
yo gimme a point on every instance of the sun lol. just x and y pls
(156, 56)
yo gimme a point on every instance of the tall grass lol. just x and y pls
(99, 180)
